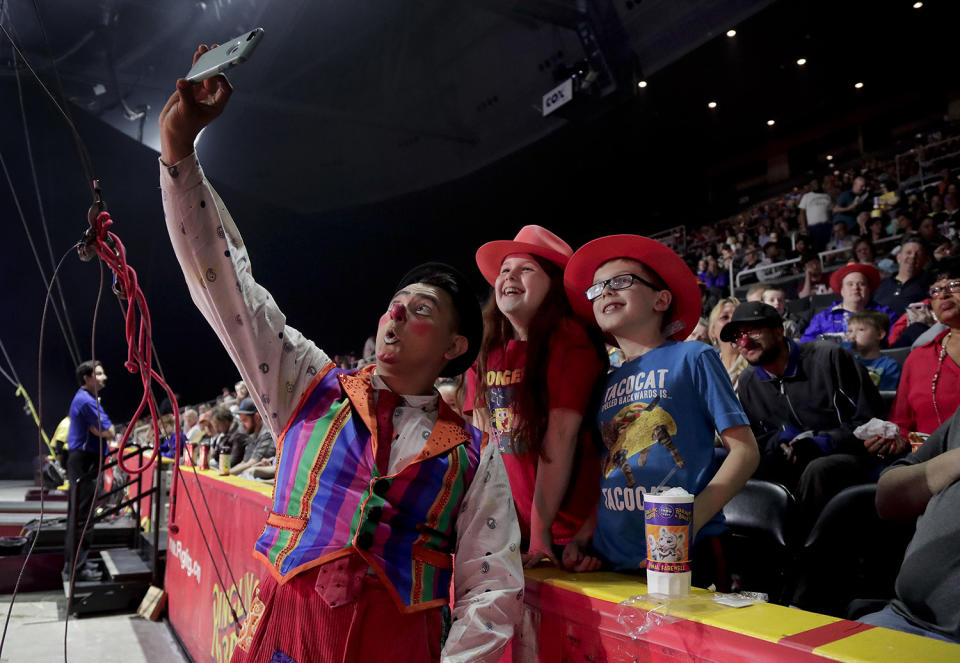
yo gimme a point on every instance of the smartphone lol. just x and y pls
(225, 56)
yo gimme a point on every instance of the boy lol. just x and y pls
(865, 330)
(659, 411)
(375, 485)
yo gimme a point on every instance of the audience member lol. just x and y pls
(777, 298)
(855, 284)
(863, 252)
(815, 282)
(228, 437)
(930, 384)
(729, 355)
(755, 292)
(660, 411)
(259, 445)
(713, 276)
(803, 402)
(815, 215)
(850, 203)
(841, 237)
(865, 332)
(700, 333)
(530, 387)
(910, 283)
(926, 484)
(189, 422)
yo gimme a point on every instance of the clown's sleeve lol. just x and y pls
(488, 573)
(276, 361)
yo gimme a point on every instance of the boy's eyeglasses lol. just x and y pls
(619, 282)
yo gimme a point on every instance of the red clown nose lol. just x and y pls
(744, 342)
(397, 312)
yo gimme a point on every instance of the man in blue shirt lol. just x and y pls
(90, 429)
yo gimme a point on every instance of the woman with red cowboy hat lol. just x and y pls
(855, 283)
(531, 385)
(658, 412)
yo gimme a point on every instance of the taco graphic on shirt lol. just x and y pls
(634, 430)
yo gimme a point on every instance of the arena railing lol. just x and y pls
(735, 281)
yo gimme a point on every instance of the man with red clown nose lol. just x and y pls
(660, 410)
(804, 401)
(378, 481)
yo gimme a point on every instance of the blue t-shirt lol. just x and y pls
(83, 414)
(657, 412)
(884, 371)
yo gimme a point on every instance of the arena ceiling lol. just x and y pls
(364, 100)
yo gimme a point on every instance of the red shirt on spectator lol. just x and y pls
(573, 370)
(913, 408)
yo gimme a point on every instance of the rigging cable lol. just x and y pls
(108, 247)
(43, 216)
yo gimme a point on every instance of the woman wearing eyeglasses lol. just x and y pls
(658, 412)
(929, 391)
(531, 385)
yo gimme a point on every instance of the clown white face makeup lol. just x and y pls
(520, 288)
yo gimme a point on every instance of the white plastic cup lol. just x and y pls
(668, 521)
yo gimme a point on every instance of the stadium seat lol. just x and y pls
(797, 306)
(850, 553)
(760, 538)
(822, 302)
(897, 354)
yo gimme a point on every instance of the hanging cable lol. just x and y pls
(11, 377)
(43, 217)
(85, 161)
(33, 543)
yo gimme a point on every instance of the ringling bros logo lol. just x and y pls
(187, 563)
(225, 631)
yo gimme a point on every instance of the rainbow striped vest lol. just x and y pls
(329, 500)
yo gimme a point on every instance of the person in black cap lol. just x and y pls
(375, 480)
(803, 402)
(260, 445)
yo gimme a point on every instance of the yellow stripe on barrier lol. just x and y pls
(764, 621)
(881, 644)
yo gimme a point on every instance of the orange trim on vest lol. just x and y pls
(283, 521)
(436, 558)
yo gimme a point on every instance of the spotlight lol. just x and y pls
(731, 33)
(858, 85)
(642, 84)
(770, 123)
(829, 157)
(801, 62)
(917, 5)
(712, 104)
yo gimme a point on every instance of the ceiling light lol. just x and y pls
(917, 5)
(642, 84)
(712, 104)
(829, 157)
(801, 62)
(770, 123)
(858, 85)
(731, 33)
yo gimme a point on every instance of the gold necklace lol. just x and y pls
(936, 375)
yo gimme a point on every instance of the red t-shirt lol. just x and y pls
(573, 368)
(912, 408)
